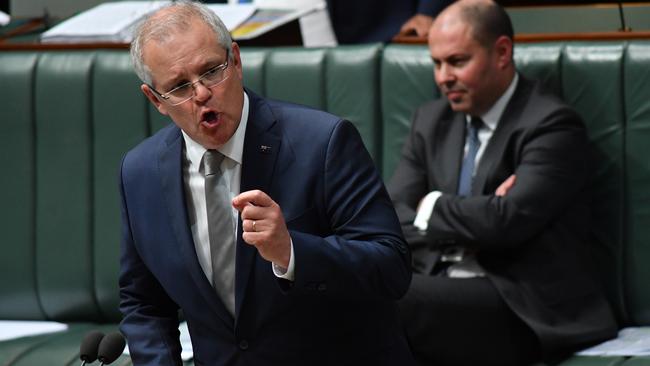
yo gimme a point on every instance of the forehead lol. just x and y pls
(183, 49)
(450, 38)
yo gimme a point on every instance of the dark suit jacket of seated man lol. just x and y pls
(318, 257)
(502, 270)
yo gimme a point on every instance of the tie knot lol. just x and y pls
(212, 161)
(476, 123)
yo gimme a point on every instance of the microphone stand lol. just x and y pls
(621, 15)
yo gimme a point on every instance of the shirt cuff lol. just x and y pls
(425, 210)
(286, 273)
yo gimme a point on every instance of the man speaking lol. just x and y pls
(265, 223)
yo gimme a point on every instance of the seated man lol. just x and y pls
(491, 193)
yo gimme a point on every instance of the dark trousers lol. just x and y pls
(463, 322)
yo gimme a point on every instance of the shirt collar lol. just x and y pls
(493, 115)
(233, 148)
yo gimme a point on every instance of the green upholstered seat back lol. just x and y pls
(406, 82)
(68, 117)
(17, 186)
(636, 216)
(341, 80)
(592, 81)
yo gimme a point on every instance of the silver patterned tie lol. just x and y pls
(220, 229)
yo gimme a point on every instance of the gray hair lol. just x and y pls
(174, 17)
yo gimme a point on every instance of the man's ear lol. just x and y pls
(503, 48)
(236, 58)
(160, 106)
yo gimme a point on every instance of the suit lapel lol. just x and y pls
(261, 148)
(170, 166)
(451, 137)
(494, 150)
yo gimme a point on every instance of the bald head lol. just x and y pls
(486, 19)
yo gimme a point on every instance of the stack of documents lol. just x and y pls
(108, 22)
(187, 353)
(116, 21)
(11, 329)
(632, 341)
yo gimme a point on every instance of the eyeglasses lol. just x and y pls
(187, 91)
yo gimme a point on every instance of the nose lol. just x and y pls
(201, 92)
(444, 75)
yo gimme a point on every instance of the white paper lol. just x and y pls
(316, 29)
(4, 18)
(10, 329)
(232, 15)
(113, 21)
(186, 343)
(633, 341)
(287, 4)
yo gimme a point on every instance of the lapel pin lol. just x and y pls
(265, 149)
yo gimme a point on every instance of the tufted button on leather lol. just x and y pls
(243, 345)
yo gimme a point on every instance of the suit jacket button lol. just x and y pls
(243, 345)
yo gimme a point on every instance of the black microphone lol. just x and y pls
(110, 348)
(89, 346)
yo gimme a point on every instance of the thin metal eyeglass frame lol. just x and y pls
(166, 97)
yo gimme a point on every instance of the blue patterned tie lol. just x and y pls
(467, 170)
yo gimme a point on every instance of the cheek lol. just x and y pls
(473, 79)
(438, 78)
(182, 117)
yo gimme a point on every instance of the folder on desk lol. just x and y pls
(108, 22)
(116, 21)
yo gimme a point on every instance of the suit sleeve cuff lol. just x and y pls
(286, 273)
(425, 210)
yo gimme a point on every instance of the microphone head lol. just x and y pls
(89, 346)
(111, 347)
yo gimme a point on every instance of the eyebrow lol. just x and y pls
(176, 79)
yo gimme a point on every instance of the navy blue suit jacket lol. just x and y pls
(351, 259)
(364, 21)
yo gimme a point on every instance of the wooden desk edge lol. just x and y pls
(519, 38)
(551, 37)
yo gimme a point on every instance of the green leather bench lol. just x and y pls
(68, 116)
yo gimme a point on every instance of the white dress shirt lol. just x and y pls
(194, 180)
(490, 119)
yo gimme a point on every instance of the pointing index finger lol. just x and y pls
(254, 197)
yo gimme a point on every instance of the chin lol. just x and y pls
(459, 108)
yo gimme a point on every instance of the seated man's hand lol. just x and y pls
(263, 226)
(419, 23)
(504, 187)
